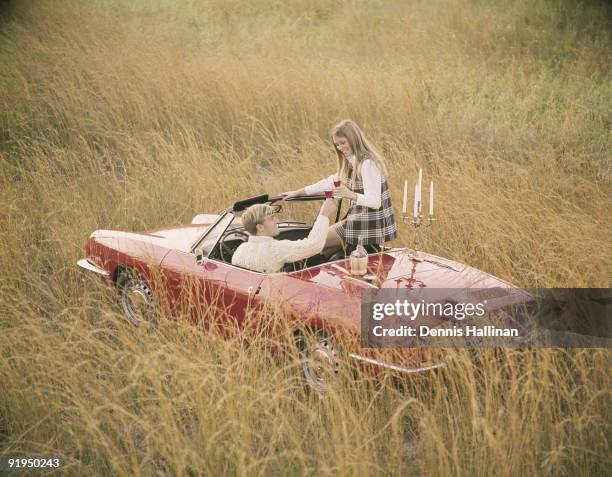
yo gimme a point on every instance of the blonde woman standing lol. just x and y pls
(363, 174)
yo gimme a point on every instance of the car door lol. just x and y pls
(233, 292)
(210, 290)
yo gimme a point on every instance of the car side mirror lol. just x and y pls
(199, 253)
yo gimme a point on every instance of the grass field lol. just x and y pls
(135, 115)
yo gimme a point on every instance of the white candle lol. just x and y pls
(405, 206)
(431, 198)
(420, 187)
(416, 201)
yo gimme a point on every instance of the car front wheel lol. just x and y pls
(320, 364)
(136, 299)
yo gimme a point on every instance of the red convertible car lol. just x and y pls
(194, 263)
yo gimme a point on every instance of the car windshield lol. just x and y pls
(207, 243)
(291, 214)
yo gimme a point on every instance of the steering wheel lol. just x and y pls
(225, 249)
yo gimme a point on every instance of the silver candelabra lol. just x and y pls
(417, 222)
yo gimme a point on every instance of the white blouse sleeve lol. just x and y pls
(372, 182)
(322, 185)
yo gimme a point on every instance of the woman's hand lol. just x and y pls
(344, 192)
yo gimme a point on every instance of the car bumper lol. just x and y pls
(89, 266)
(393, 367)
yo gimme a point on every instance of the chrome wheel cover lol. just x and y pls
(137, 302)
(320, 365)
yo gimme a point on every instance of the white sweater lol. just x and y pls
(264, 254)
(370, 175)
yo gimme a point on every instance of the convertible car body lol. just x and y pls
(194, 262)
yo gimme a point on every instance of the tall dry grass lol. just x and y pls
(134, 115)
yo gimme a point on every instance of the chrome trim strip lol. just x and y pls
(394, 367)
(444, 265)
(87, 265)
(359, 282)
(338, 267)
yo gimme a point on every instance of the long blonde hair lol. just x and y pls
(360, 146)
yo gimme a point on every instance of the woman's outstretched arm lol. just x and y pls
(322, 185)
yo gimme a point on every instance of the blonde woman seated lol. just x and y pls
(363, 174)
(264, 254)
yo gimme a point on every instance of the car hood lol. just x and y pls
(180, 238)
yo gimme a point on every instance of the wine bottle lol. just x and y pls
(359, 259)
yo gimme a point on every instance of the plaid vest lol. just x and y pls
(375, 226)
